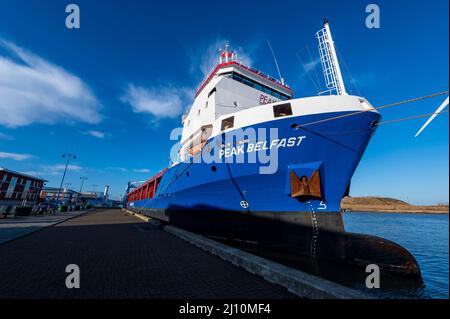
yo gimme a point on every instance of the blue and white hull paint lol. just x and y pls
(235, 201)
(335, 148)
(259, 166)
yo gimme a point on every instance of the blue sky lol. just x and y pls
(97, 91)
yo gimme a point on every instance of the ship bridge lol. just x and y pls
(229, 88)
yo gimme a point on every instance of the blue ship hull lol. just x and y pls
(333, 147)
(208, 198)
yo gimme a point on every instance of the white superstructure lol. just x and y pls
(231, 87)
(235, 96)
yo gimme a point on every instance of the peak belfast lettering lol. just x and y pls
(192, 309)
(264, 99)
(262, 146)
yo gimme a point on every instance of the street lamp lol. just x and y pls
(82, 182)
(68, 156)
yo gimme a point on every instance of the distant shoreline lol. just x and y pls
(396, 211)
(388, 205)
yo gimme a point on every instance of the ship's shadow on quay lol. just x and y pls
(122, 257)
(317, 239)
(288, 238)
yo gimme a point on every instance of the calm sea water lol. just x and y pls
(424, 235)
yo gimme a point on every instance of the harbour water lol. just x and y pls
(424, 235)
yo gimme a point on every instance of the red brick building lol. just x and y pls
(18, 189)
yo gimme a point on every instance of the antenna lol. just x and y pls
(276, 62)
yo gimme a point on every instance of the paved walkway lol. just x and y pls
(119, 259)
(22, 225)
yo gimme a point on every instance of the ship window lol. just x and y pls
(282, 110)
(247, 82)
(258, 86)
(211, 92)
(198, 112)
(206, 105)
(206, 132)
(227, 123)
(237, 77)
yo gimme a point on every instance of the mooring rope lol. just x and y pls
(409, 118)
(375, 108)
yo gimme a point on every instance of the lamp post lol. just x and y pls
(68, 156)
(82, 182)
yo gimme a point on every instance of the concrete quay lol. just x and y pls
(121, 257)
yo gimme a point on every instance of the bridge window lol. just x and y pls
(258, 86)
(248, 82)
(282, 110)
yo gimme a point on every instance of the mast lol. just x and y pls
(330, 63)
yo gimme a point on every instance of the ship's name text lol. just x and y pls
(264, 99)
(261, 146)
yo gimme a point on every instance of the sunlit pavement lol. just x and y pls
(11, 228)
(118, 259)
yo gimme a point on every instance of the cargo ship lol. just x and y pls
(257, 165)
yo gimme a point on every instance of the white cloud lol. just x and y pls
(311, 65)
(6, 137)
(96, 134)
(210, 57)
(58, 169)
(160, 102)
(34, 90)
(15, 156)
(33, 173)
(122, 169)
(171, 102)
(141, 170)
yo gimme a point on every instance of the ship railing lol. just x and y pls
(259, 72)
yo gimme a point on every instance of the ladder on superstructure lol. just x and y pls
(330, 65)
